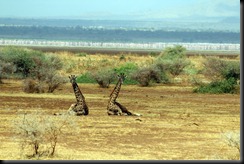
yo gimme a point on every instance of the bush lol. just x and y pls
(6, 69)
(218, 69)
(225, 75)
(174, 67)
(53, 80)
(82, 54)
(172, 61)
(172, 53)
(39, 133)
(224, 86)
(86, 78)
(145, 76)
(104, 77)
(232, 70)
(128, 68)
(46, 71)
(213, 68)
(32, 86)
(21, 58)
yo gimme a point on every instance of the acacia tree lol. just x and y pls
(173, 60)
(46, 71)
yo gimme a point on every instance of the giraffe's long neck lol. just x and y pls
(115, 92)
(79, 96)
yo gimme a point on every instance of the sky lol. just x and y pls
(119, 9)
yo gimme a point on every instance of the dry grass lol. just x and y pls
(76, 64)
(176, 123)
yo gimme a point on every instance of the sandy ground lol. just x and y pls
(176, 123)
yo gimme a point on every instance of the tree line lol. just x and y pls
(79, 33)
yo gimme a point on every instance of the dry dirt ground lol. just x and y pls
(176, 123)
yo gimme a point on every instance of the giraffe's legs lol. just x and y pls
(77, 110)
(123, 109)
(113, 109)
(118, 109)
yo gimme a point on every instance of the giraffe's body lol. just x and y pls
(80, 107)
(115, 108)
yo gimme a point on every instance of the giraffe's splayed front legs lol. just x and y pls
(114, 110)
(75, 110)
(70, 111)
(118, 109)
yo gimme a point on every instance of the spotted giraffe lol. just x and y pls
(115, 108)
(80, 107)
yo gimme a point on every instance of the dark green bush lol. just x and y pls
(22, 58)
(35, 65)
(224, 86)
(128, 68)
(232, 70)
(82, 54)
(86, 78)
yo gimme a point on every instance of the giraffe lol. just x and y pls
(80, 107)
(115, 108)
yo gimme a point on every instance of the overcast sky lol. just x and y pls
(118, 9)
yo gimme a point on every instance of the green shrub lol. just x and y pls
(128, 68)
(172, 61)
(224, 86)
(218, 69)
(174, 67)
(122, 57)
(22, 58)
(82, 54)
(172, 53)
(153, 54)
(225, 75)
(232, 70)
(86, 78)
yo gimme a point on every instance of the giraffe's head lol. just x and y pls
(72, 78)
(122, 77)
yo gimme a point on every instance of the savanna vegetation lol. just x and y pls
(45, 72)
(165, 88)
